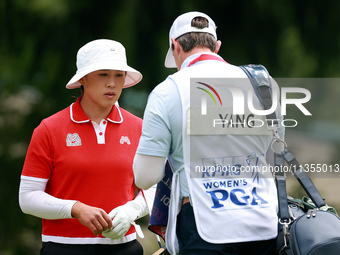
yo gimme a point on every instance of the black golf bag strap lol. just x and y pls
(260, 80)
(303, 178)
(280, 180)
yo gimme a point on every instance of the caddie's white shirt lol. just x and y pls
(162, 128)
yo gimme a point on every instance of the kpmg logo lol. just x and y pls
(239, 96)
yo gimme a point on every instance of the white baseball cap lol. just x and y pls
(103, 54)
(181, 26)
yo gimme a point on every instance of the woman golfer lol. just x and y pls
(77, 174)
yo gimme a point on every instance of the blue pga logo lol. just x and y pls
(238, 103)
(236, 196)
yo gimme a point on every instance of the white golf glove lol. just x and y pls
(125, 215)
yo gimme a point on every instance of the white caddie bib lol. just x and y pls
(232, 191)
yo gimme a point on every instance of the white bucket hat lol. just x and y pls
(181, 26)
(103, 54)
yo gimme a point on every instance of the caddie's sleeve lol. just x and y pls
(156, 135)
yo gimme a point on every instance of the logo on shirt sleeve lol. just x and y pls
(73, 140)
(125, 139)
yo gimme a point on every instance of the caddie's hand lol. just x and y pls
(96, 219)
(123, 216)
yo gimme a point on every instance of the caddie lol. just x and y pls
(221, 208)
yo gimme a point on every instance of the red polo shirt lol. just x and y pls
(84, 161)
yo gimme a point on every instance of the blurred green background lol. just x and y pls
(38, 44)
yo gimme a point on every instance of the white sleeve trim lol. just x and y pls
(35, 201)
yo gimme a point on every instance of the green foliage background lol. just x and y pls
(39, 40)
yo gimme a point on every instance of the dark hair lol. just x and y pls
(191, 40)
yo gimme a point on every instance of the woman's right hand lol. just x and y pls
(96, 219)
